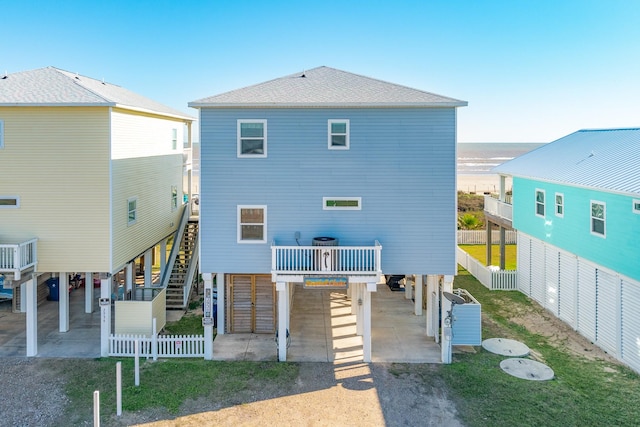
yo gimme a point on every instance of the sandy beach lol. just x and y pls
(481, 183)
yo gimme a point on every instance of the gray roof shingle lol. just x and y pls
(603, 159)
(51, 86)
(325, 86)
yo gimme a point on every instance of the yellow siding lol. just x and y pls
(136, 317)
(56, 159)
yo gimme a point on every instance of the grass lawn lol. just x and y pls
(479, 252)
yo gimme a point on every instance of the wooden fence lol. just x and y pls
(162, 346)
(491, 277)
(479, 237)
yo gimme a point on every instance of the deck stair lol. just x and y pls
(182, 273)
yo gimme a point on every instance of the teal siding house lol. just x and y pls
(576, 207)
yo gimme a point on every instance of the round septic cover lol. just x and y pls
(527, 369)
(505, 347)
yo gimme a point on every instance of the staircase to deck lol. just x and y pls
(183, 273)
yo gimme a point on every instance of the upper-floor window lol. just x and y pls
(174, 197)
(174, 139)
(1, 134)
(540, 203)
(132, 209)
(342, 203)
(252, 138)
(252, 224)
(636, 206)
(598, 218)
(339, 134)
(9, 202)
(559, 204)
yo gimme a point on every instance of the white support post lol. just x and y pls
(353, 294)
(432, 315)
(31, 291)
(129, 272)
(283, 315)
(418, 300)
(207, 317)
(163, 256)
(88, 292)
(148, 266)
(366, 311)
(63, 302)
(447, 333)
(105, 315)
(220, 282)
(360, 287)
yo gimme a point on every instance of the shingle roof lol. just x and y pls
(324, 86)
(55, 87)
(604, 159)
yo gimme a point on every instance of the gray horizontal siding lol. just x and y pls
(401, 162)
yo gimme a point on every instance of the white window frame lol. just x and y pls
(1, 134)
(174, 197)
(174, 139)
(561, 204)
(327, 207)
(635, 206)
(264, 138)
(330, 134)
(603, 219)
(240, 224)
(131, 221)
(16, 198)
(544, 201)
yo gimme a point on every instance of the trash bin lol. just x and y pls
(54, 288)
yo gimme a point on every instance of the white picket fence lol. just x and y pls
(492, 278)
(156, 346)
(479, 237)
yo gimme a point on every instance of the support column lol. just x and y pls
(31, 297)
(105, 315)
(148, 266)
(207, 316)
(283, 319)
(360, 287)
(352, 292)
(502, 248)
(63, 302)
(418, 299)
(408, 291)
(129, 273)
(447, 333)
(88, 292)
(366, 312)
(163, 257)
(221, 322)
(489, 241)
(432, 315)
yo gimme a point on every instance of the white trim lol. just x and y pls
(544, 203)
(346, 134)
(635, 206)
(1, 134)
(16, 198)
(603, 219)
(135, 211)
(342, 208)
(555, 204)
(239, 138)
(264, 223)
(365, 104)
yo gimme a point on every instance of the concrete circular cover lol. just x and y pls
(527, 369)
(505, 347)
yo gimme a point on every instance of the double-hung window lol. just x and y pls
(252, 138)
(174, 139)
(598, 217)
(635, 207)
(252, 224)
(338, 134)
(559, 204)
(540, 203)
(132, 209)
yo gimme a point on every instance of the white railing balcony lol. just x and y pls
(16, 258)
(326, 260)
(498, 208)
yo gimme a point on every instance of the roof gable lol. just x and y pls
(604, 159)
(325, 86)
(51, 86)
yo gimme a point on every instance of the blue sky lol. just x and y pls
(532, 71)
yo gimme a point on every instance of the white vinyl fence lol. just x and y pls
(157, 346)
(479, 237)
(495, 280)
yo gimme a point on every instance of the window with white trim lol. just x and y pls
(559, 204)
(252, 224)
(598, 218)
(540, 203)
(338, 131)
(252, 138)
(635, 207)
(9, 202)
(1, 133)
(342, 203)
(174, 139)
(132, 210)
(174, 197)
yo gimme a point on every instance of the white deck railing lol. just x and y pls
(19, 257)
(498, 208)
(326, 259)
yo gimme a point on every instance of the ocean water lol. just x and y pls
(477, 158)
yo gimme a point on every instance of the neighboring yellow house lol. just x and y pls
(93, 172)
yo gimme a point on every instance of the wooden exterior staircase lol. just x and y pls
(183, 273)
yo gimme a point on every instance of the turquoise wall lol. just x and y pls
(619, 250)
